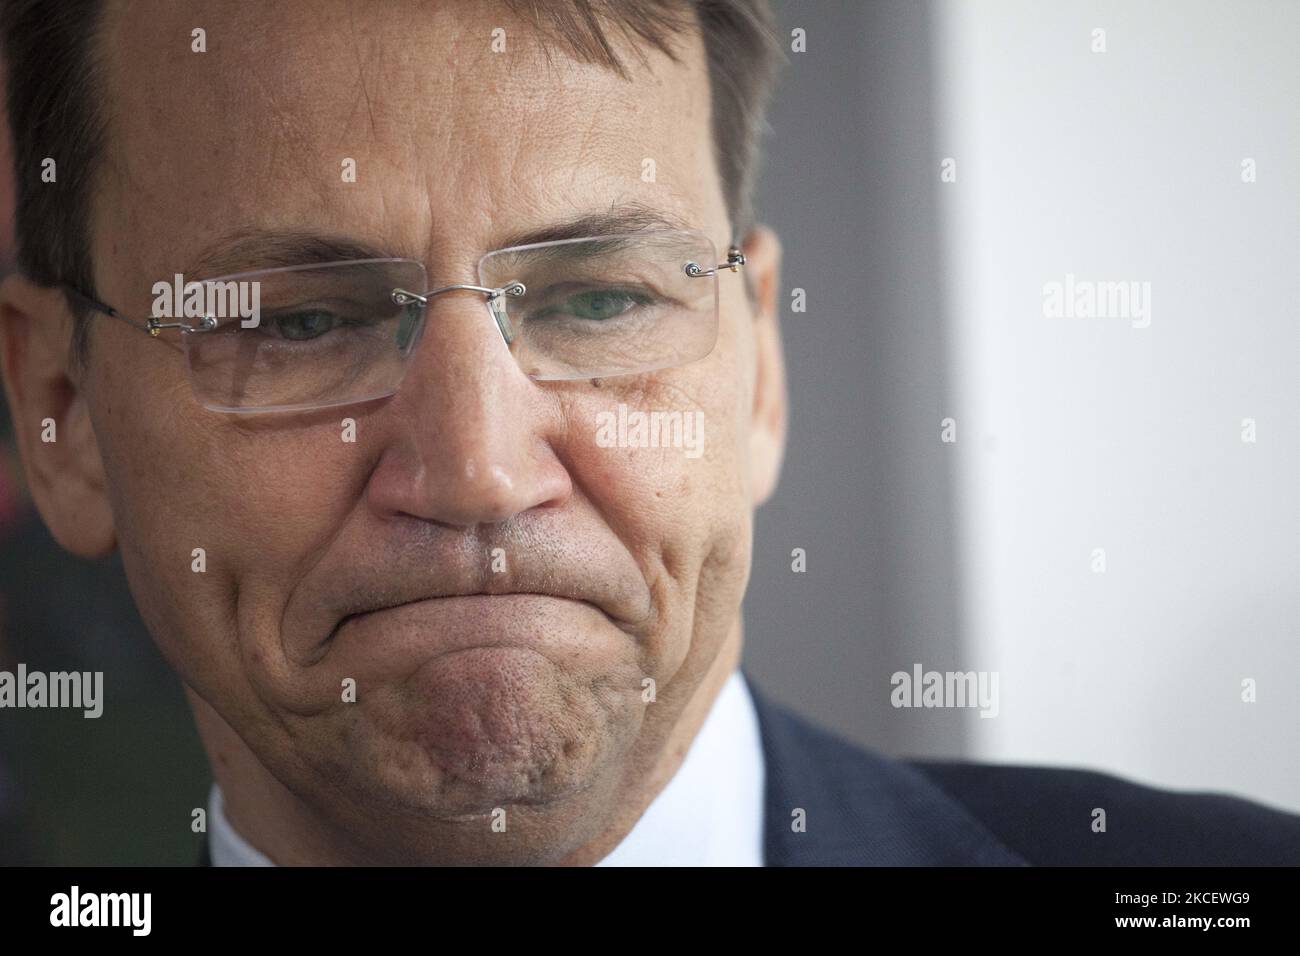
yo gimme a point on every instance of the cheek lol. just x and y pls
(214, 531)
(680, 507)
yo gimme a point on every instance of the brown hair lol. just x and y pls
(50, 51)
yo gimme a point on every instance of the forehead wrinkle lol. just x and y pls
(363, 89)
(511, 172)
(190, 78)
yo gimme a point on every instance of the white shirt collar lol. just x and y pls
(709, 814)
(227, 847)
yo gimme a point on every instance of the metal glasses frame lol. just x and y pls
(208, 323)
(153, 326)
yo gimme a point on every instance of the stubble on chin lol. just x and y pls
(480, 731)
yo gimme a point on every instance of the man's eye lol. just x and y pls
(598, 305)
(303, 325)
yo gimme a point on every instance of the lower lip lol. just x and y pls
(476, 620)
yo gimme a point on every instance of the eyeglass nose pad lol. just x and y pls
(498, 306)
(497, 303)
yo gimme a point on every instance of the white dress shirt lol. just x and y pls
(709, 814)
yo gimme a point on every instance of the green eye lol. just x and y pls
(308, 324)
(600, 304)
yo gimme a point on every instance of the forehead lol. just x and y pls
(394, 124)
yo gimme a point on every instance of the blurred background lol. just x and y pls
(924, 301)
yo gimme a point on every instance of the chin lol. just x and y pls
(487, 728)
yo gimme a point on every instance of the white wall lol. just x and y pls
(1075, 434)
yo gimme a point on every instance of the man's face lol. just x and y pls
(484, 679)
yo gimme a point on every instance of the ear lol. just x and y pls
(767, 430)
(52, 424)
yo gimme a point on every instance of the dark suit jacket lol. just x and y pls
(860, 808)
(865, 809)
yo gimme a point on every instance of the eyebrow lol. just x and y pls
(255, 249)
(248, 250)
(627, 217)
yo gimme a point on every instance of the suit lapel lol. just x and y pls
(857, 808)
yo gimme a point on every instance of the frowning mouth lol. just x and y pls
(512, 602)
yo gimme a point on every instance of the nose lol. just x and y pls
(473, 434)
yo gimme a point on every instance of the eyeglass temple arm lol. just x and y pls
(72, 292)
(735, 259)
(151, 325)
